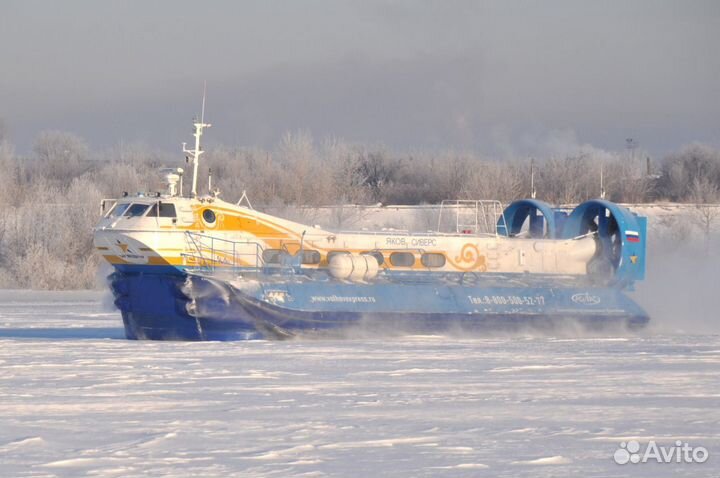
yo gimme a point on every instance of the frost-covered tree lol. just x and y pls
(705, 194)
(681, 171)
(61, 155)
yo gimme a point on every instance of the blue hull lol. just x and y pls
(173, 305)
(156, 307)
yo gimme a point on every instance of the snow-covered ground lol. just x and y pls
(76, 399)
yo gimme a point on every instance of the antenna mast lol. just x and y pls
(533, 193)
(194, 154)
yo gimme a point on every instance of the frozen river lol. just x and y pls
(76, 399)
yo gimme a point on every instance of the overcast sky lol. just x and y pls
(505, 77)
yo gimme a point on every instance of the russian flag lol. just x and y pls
(632, 236)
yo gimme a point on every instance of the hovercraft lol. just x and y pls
(192, 267)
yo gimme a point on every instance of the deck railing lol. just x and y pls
(211, 251)
(477, 217)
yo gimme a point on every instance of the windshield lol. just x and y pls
(119, 209)
(136, 210)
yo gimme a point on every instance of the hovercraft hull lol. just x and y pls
(196, 267)
(179, 306)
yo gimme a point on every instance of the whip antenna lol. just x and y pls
(194, 154)
(532, 178)
(202, 111)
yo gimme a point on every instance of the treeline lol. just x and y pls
(299, 171)
(49, 199)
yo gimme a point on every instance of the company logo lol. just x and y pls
(630, 452)
(585, 298)
(277, 296)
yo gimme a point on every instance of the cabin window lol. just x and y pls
(209, 216)
(432, 259)
(377, 255)
(166, 210)
(402, 259)
(309, 256)
(332, 254)
(273, 256)
(119, 209)
(136, 210)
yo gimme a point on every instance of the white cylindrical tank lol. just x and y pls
(340, 266)
(354, 267)
(368, 265)
(373, 266)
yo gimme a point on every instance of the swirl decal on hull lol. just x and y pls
(469, 259)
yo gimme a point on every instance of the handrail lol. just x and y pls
(220, 254)
(476, 211)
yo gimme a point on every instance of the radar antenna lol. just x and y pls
(194, 154)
